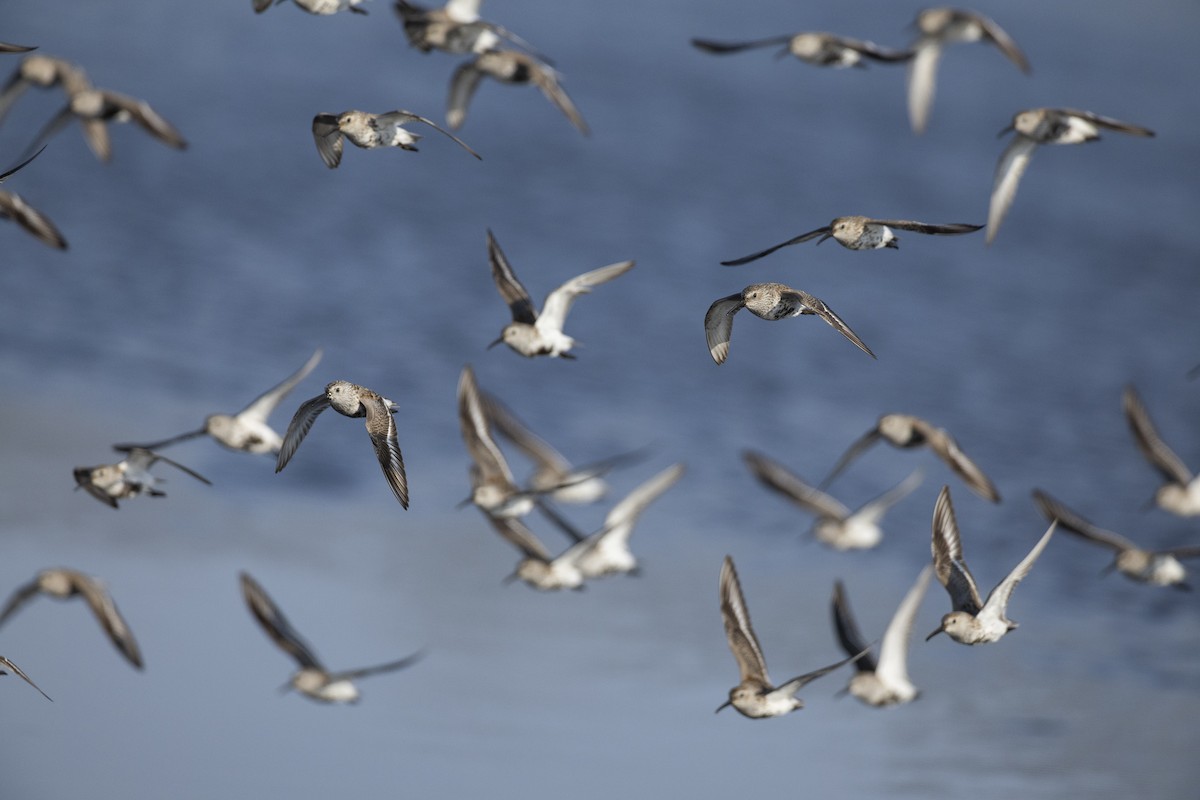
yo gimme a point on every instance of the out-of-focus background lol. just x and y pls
(195, 280)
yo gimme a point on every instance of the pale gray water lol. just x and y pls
(197, 279)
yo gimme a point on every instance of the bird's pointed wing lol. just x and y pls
(1110, 123)
(558, 303)
(381, 427)
(514, 294)
(742, 641)
(856, 448)
(519, 536)
(20, 596)
(13, 89)
(817, 306)
(298, 428)
(619, 521)
(148, 119)
(477, 434)
(95, 133)
(922, 81)
(997, 601)
(948, 560)
(56, 123)
(440, 129)
(547, 81)
(943, 445)
(874, 51)
(849, 637)
(775, 476)
(183, 469)
(15, 208)
(804, 237)
(328, 138)
(261, 407)
(1156, 451)
(508, 425)
(893, 652)
(463, 84)
(875, 509)
(795, 684)
(101, 603)
(9, 666)
(18, 168)
(1003, 41)
(391, 666)
(1054, 510)
(711, 46)
(718, 325)
(127, 447)
(1009, 170)
(949, 229)
(276, 625)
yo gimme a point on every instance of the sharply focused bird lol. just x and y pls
(507, 66)
(906, 431)
(129, 477)
(939, 27)
(1042, 126)
(818, 48)
(836, 525)
(246, 431)
(754, 696)
(312, 679)
(769, 301)
(1180, 494)
(541, 334)
(884, 682)
(972, 621)
(369, 131)
(352, 400)
(1155, 567)
(96, 108)
(862, 233)
(63, 584)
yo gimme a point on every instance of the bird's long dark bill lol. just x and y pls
(723, 706)
(493, 344)
(824, 237)
(512, 576)
(1007, 130)
(935, 633)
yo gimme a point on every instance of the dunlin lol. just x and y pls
(537, 567)
(507, 66)
(821, 49)
(369, 131)
(7, 666)
(882, 683)
(129, 477)
(608, 551)
(1155, 567)
(312, 679)
(554, 476)
(14, 207)
(322, 7)
(493, 488)
(44, 72)
(246, 431)
(862, 233)
(769, 301)
(906, 431)
(352, 400)
(95, 108)
(1181, 493)
(63, 584)
(1042, 126)
(939, 27)
(755, 697)
(541, 334)
(972, 621)
(455, 28)
(836, 525)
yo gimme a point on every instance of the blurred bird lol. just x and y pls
(1042, 126)
(14, 207)
(129, 477)
(906, 431)
(820, 49)
(608, 551)
(63, 584)
(7, 666)
(755, 697)
(1155, 567)
(312, 679)
(537, 567)
(44, 72)
(861, 233)
(454, 28)
(507, 66)
(541, 334)
(882, 683)
(352, 400)
(972, 621)
(6, 47)
(369, 131)
(939, 27)
(769, 301)
(246, 431)
(836, 525)
(95, 108)
(1181, 493)
(322, 7)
